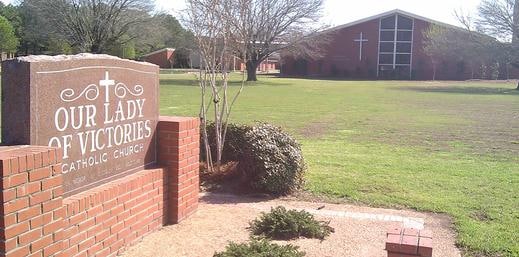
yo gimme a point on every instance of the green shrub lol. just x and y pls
(284, 224)
(260, 248)
(271, 161)
(234, 142)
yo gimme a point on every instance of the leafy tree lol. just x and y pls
(36, 31)
(128, 50)
(124, 28)
(8, 40)
(182, 58)
(177, 36)
(12, 14)
(163, 30)
(58, 46)
(125, 50)
(150, 35)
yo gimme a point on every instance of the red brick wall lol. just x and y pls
(409, 242)
(342, 55)
(263, 66)
(37, 221)
(32, 204)
(163, 59)
(179, 150)
(101, 221)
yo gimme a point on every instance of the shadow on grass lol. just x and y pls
(325, 78)
(179, 82)
(462, 90)
(234, 83)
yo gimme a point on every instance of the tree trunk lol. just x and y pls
(95, 49)
(252, 67)
(515, 33)
(434, 72)
(515, 21)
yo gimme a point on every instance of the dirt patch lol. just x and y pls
(359, 231)
(460, 89)
(481, 216)
(318, 128)
(229, 179)
(315, 129)
(478, 123)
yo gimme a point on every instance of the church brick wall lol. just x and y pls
(341, 57)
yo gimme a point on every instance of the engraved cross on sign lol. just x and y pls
(106, 83)
(361, 41)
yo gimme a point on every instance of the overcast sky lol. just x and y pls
(337, 12)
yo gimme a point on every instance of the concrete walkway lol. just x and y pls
(359, 231)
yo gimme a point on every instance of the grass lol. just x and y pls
(448, 147)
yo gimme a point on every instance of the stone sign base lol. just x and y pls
(36, 220)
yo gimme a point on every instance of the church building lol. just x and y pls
(385, 46)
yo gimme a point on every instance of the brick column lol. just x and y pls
(408, 242)
(32, 203)
(179, 151)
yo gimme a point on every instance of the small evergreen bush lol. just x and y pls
(283, 224)
(260, 248)
(272, 161)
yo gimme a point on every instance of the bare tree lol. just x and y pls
(94, 25)
(499, 18)
(436, 46)
(262, 27)
(442, 43)
(208, 21)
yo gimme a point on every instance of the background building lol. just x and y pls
(164, 58)
(386, 46)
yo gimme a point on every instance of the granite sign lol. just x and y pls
(101, 111)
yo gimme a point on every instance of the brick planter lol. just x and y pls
(37, 220)
(408, 242)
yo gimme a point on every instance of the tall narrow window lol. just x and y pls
(405, 23)
(388, 23)
(387, 47)
(395, 50)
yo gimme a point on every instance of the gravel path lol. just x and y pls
(359, 231)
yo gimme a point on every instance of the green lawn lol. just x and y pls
(450, 147)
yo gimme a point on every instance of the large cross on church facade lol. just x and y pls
(361, 41)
